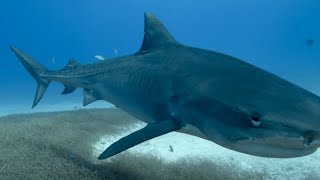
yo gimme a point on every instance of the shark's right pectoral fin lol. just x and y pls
(150, 131)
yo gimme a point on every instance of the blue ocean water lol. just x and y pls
(268, 34)
(282, 37)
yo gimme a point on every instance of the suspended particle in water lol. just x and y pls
(309, 42)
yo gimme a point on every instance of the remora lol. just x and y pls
(174, 87)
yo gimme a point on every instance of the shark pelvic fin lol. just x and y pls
(72, 64)
(36, 70)
(150, 131)
(89, 96)
(68, 89)
(155, 33)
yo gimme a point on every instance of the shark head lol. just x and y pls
(271, 132)
(269, 135)
(279, 135)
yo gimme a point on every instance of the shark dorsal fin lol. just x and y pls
(155, 33)
(72, 64)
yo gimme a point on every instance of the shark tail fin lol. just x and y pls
(35, 69)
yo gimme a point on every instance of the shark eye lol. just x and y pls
(255, 119)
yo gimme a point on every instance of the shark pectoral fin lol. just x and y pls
(68, 90)
(89, 96)
(150, 131)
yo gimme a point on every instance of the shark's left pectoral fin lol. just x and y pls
(90, 96)
(150, 131)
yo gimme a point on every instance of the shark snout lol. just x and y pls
(312, 140)
(307, 140)
(315, 143)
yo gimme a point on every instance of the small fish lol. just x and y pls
(116, 52)
(195, 91)
(53, 60)
(99, 57)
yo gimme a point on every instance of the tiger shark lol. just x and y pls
(174, 87)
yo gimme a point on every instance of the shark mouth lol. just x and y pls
(278, 147)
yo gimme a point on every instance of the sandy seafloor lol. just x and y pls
(171, 156)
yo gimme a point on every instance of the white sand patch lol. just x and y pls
(195, 149)
(182, 145)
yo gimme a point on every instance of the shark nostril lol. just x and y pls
(308, 138)
(307, 142)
